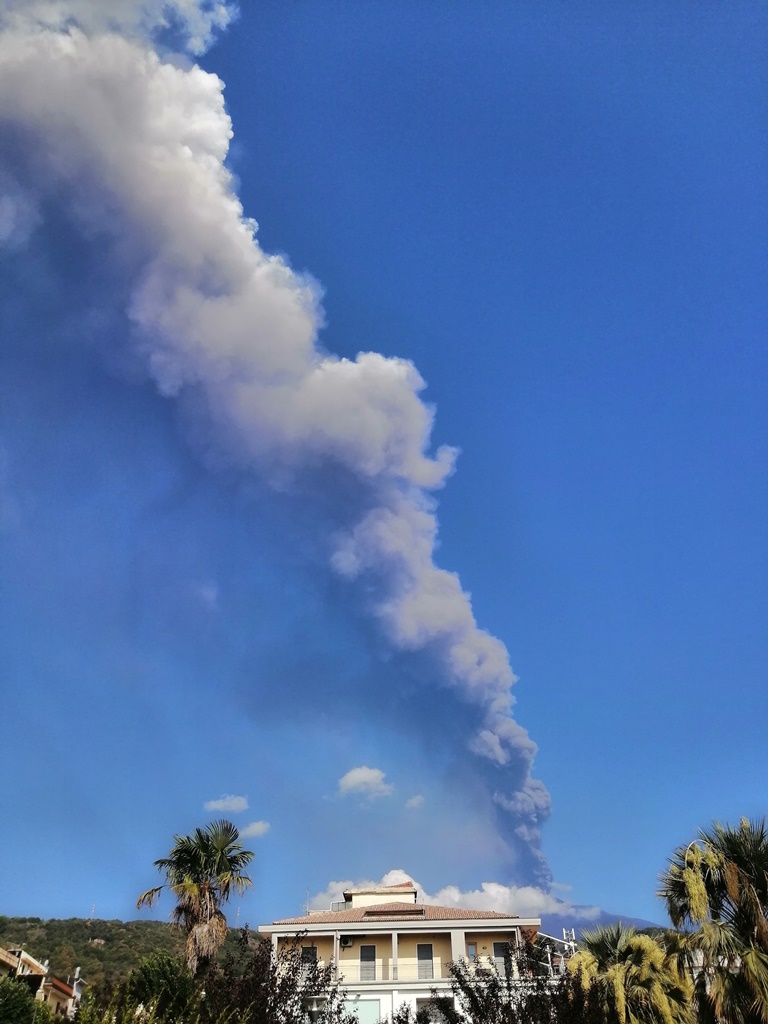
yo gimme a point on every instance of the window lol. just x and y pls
(502, 956)
(368, 1011)
(308, 959)
(471, 952)
(424, 959)
(367, 963)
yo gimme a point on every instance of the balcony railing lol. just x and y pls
(355, 973)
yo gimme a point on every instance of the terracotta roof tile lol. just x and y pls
(394, 912)
(62, 986)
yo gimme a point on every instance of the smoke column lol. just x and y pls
(132, 147)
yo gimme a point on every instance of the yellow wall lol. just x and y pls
(487, 939)
(324, 945)
(375, 899)
(351, 957)
(407, 961)
(57, 1001)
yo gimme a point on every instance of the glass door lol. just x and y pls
(367, 963)
(425, 961)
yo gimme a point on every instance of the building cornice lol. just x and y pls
(421, 924)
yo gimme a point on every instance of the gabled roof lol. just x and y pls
(394, 912)
(61, 986)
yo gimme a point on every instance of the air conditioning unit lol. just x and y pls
(346, 941)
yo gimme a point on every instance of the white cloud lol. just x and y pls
(198, 20)
(334, 891)
(560, 886)
(256, 828)
(233, 804)
(522, 900)
(366, 782)
(415, 801)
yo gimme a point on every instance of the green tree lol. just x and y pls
(521, 994)
(404, 1014)
(17, 1004)
(258, 985)
(639, 981)
(163, 983)
(717, 888)
(90, 1011)
(202, 870)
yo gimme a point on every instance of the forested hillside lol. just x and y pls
(105, 950)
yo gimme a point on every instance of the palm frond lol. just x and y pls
(724, 888)
(148, 898)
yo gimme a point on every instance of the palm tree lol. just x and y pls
(201, 871)
(636, 977)
(718, 885)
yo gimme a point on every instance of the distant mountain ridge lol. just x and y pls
(553, 924)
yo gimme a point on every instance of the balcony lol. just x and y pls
(361, 974)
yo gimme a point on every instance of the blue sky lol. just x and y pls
(217, 566)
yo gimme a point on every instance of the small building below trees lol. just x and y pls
(63, 997)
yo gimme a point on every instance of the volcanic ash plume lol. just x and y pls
(132, 148)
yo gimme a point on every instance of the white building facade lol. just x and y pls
(389, 949)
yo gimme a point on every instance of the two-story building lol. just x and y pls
(63, 997)
(390, 949)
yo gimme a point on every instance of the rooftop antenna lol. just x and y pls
(306, 905)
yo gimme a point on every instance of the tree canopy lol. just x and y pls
(717, 888)
(638, 979)
(202, 870)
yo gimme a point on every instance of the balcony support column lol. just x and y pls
(394, 957)
(458, 944)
